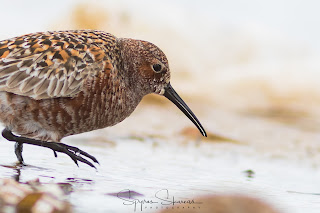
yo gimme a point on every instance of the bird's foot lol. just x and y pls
(73, 152)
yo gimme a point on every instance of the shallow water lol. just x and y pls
(148, 165)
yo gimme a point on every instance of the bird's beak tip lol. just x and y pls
(204, 134)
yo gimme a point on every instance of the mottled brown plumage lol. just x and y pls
(56, 84)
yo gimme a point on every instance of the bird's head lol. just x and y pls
(148, 71)
(146, 65)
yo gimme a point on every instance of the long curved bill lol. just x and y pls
(171, 94)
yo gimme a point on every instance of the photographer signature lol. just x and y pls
(161, 197)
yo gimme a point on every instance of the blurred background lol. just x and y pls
(248, 69)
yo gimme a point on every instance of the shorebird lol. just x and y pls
(60, 83)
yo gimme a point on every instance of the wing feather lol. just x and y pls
(52, 86)
(8, 70)
(52, 64)
(65, 87)
(15, 79)
(58, 87)
(42, 87)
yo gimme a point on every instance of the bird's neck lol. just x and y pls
(128, 71)
(116, 99)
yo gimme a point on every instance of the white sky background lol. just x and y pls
(296, 19)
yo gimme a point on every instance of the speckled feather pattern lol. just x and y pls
(55, 84)
(54, 64)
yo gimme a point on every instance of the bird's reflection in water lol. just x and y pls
(16, 176)
(17, 170)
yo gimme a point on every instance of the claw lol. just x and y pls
(77, 150)
(76, 158)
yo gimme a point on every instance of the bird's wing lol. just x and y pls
(52, 64)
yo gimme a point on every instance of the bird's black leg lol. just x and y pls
(73, 152)
(18, 148)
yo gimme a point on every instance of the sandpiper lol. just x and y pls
(61, 83)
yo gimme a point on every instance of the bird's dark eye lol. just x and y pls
(157, 67)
